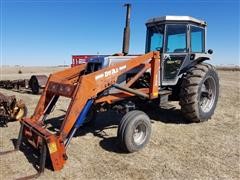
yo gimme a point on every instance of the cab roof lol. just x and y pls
(188, 19)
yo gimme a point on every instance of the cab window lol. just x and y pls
(176, 38)
(197, 39)
(155, 38)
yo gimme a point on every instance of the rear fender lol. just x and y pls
(194, 59)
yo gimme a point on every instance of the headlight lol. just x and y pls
(61, 89)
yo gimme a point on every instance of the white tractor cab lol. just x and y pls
(181, 41)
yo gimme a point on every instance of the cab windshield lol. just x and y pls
(155, 38)
(176, 38)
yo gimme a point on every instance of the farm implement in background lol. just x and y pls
(11, 109)
(36, 84)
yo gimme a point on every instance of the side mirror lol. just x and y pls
(210, 51)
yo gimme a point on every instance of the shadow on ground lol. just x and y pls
(108, 120)
(168, 116)
(104, 121)
(32, 155)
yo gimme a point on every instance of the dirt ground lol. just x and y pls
(177, 150)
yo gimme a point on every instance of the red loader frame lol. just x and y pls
(83, 89)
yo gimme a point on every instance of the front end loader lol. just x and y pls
(84, 89)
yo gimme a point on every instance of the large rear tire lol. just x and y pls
(199, 93)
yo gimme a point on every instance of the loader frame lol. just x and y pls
(84, 90)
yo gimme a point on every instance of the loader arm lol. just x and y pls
(83, 89)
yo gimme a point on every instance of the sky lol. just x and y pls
(49, 32)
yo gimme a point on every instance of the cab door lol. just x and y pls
(155, 39)
(175, 52)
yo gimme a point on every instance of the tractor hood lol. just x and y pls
(105, 61)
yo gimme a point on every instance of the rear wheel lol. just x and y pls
(199, 92)
(134, 131)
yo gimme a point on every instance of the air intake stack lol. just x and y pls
(126, 34)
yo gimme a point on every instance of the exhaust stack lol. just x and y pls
(126, 34)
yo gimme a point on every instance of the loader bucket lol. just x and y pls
(43, 140)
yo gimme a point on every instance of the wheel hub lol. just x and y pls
(208, 94)
(139, 134)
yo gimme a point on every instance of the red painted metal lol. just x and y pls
(80, 59)
(80, 88)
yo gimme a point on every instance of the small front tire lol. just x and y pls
(134, 131)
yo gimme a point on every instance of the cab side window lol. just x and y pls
(197, 39)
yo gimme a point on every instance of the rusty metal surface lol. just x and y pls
(11, 109)
(6, 99)
(6, 105)
(20, 83)
(42, 80)
(37, 82)
(61, 89)
(7, 84)
(17, 84)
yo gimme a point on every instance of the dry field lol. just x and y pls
(177, 150)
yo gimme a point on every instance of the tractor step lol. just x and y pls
(164, 94)
(167, 106)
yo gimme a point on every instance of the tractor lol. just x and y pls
(172, 68)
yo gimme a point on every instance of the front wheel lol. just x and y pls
(199, 92)
(134, 131)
